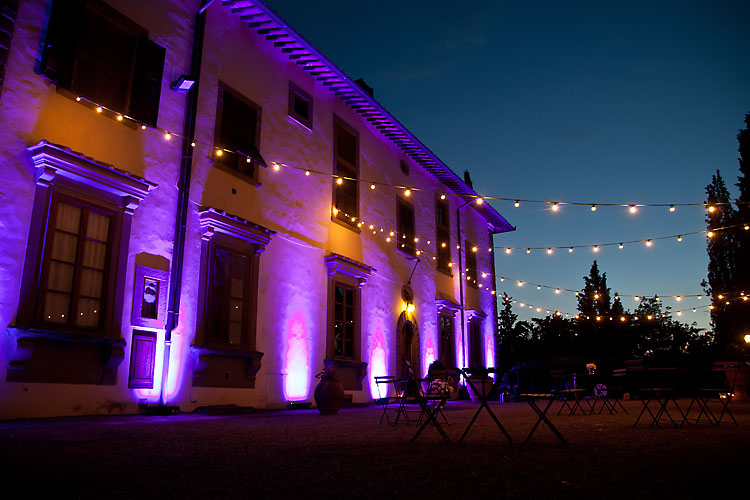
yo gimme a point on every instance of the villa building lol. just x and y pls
(201, 209)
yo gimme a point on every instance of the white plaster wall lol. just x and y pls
(31, 110)
(293, 277)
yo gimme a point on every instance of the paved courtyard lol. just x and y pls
(304, 455)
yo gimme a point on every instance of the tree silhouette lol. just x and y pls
(594, 300)
(722, 251)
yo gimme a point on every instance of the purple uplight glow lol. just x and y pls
(428, 355)
(378, 357)
(296, 359)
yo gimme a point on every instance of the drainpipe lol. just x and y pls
(183, 197)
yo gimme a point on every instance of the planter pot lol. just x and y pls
(329, 396)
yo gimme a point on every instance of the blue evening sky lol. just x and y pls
(590, 101)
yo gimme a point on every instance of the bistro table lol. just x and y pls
(531, 399)
(482, 395)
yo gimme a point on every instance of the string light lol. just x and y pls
(518, 203)
(555, 207)
(442, 196)
(672, 208)
(549, 251)
(709, 233)
(99, 109)
(339, 181)
(167, 136)
(570, 250)
(633, 209)
(277, 167)
(407, 192)
(307, 173)
(593, 208)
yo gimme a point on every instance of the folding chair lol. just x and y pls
(612, 392)
(430, 405)
(385, 400)
(716, 385)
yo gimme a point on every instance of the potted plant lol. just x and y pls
(329, 394)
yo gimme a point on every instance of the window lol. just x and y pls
(447, 344)
(406, 227)
(73, 281)
(346, 278)
(94, 51)
(475, 345)
(300, 105)
(346, 167)
(343, 321)
(443, 235)
(77, 263)
(231, 251)
(471, 264)
(237, 133)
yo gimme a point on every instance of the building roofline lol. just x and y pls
(268, 24)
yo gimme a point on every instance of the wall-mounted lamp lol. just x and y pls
(183, 84)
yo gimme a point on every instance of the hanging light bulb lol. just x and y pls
(636, 298)
(593, 208)
(192, 144)
(710, 234)
(518, 203)
(507, 250)
(276, 167)
(633, 209)
(442, 196)
(143, 127)
(679, 238)
(620, 246)
(339, 181)
(549, 251)
(99, 109)
(596, 248)
(539, 287)
(167, 136)
(442, 244)
(596, 296)
(678, 298)
(219, 152)
(372, 186)
(648, 243)
(711, 209)
(474, 249)
(480, 200)
(557, 290)
(119, 118)
(307, 173)
(407, 192)
(570, 250)
(555, 207)
(747, 227)
(694, 309)
(78, 98)
(528, 250)
(672, 208)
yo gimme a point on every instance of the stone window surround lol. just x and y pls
(350, 272)
(209, 358)
(58, 168)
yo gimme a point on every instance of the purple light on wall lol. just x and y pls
(378, 358)
(489, 350)
(296, 359)
(429, 354)
(177, 356)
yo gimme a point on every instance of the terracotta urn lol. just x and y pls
(329, 394)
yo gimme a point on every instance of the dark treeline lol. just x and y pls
(603, 332)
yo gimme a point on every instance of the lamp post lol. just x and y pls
(479, 200)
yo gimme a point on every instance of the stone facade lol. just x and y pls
(297, 256)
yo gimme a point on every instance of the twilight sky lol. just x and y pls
(587, 101)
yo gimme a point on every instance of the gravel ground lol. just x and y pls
(303, 454)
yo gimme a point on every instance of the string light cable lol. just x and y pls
(710, 233)
(554, 205)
